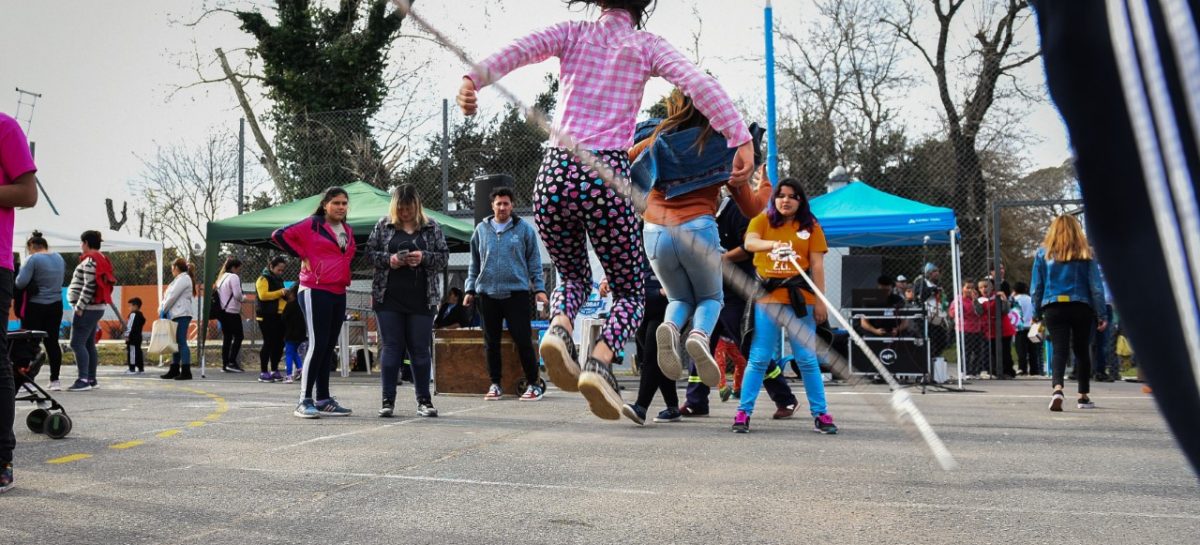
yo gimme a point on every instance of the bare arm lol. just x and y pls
(22, 193)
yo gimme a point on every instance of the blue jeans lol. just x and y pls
(686, 258)
(411, 334)
(83, 342)
(763, 347)
(182, 357)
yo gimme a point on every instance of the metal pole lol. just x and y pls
(241, 202)
(772, 140)
(445, 155)
(997, 328)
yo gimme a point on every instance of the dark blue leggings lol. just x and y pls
(324, 313)
(403, 333)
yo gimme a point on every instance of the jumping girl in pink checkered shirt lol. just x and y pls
(605, 65)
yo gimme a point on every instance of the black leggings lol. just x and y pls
(1070, 326)
(652, 379)
(48, 318)
(231, 337)
(272, 330)
(324, 313)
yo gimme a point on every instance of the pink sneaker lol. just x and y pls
(824, 424)
(741, 422)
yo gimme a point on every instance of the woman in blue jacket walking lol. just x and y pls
(1068, 294)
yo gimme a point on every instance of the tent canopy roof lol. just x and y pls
(62, 232)
(367, 204)
(859, 215)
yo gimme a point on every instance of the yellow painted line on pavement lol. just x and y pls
(127, 444)
(196, 424)
(69, 458)
(167, 433)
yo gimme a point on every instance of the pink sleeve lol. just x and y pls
(15, 159)
(534, 48)
(712, 101)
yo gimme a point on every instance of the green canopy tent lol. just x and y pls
(367, 204)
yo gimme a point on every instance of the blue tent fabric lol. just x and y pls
(861, 216)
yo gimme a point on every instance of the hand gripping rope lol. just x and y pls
(904, 410)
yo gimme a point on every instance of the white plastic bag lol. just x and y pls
(162, 338)
(1036, 333)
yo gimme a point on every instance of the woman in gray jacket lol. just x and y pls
(177, 305)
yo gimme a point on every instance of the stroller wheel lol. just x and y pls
(58, 425)
(37, 420)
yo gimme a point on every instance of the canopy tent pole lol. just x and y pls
(211, 249)
(959, 337)
(772, 140)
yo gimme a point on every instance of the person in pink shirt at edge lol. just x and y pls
(18, 188)
(605, 65)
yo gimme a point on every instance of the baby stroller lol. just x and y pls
(25, 353)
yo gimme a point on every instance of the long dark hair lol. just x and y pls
(804, 217)
(682, 114)
(330, 193)
(639, 9)
(231, 263)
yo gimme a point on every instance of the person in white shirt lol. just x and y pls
(177, 305)
(229, 293)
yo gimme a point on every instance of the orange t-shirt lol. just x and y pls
(803, 241)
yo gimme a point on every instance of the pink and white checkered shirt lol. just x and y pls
(605, 65)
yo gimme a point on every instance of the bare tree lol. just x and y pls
(844, 73)
(992, 53)
(185, 187)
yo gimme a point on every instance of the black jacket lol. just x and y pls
(295, 329)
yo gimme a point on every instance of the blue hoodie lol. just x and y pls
(504, 261)
(1065, 282)
(675, 165)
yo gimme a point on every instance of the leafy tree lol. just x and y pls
(324, 72)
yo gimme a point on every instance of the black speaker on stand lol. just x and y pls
(483, 191)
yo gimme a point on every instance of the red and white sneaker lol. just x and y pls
(493, 393)
(532, 393)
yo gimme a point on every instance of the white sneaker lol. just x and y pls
(670, 362)
(55, 386)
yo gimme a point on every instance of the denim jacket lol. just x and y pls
(434, 254)
(675, 165)
(504, 261)
(1063, 282)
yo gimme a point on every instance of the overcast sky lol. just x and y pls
(106, 76)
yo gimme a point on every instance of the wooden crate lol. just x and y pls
(460, 363)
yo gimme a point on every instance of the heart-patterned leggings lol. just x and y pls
(572, 204)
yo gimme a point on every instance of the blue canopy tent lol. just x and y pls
(860, 216)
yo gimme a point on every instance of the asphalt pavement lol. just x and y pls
(223, 461)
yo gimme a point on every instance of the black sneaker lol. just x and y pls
(425, 408)
(669, 414)
(79, 386)
(599, 387)
(233, 368)
(634, 413)
(6, 478)
(330, 407)
(389, 407)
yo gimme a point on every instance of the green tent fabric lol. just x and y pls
(367, 204)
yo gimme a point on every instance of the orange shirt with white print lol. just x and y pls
(803, 241)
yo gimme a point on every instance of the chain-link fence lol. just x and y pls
(319, 150)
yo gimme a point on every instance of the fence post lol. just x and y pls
(445, 155)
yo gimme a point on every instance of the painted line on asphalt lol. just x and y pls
(451, 480)
(367, 430)
(221, 409)
(68, 458)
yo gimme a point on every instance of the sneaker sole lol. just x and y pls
(299, 414)
(385, 413)
(1083, 406)
(604, 402)
(741, 430)
(323, 413)
(668, 358)
(538, 398)
(706, 366)
(668, 420)
(823, 432)
(1056, 405)
(629, 413)
(563, 372)
(427, 415)
(497, 398)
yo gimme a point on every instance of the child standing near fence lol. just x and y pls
(605, 65)
(294, 337)
(134, 324)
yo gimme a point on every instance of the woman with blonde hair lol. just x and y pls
(408, 251)
(1067, 292)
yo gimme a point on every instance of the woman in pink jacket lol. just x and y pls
(325, 244)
